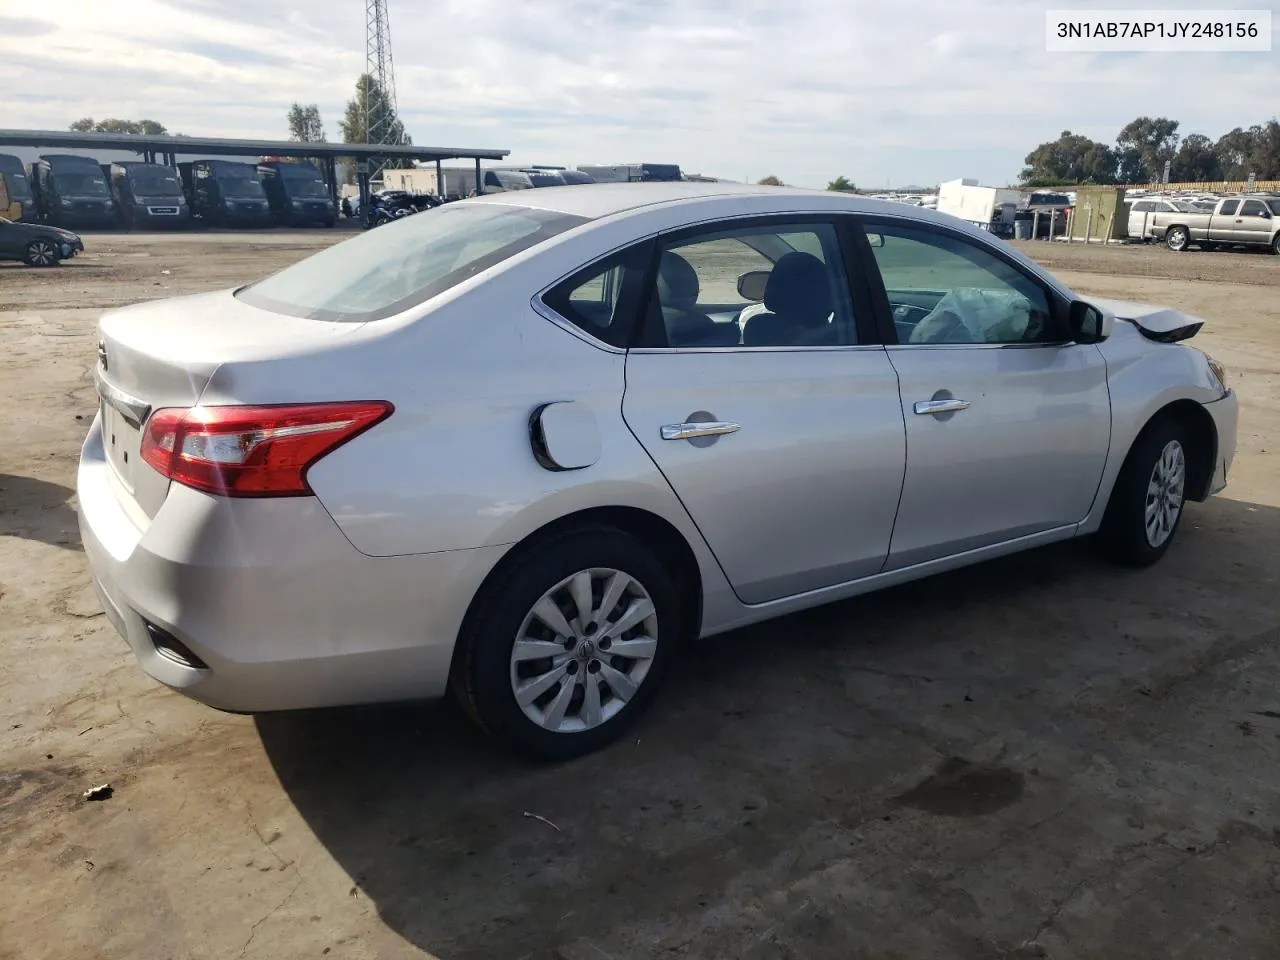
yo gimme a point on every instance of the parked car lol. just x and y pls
(524, 447)
(1236, 221)
(36, 244)
(1146, 214)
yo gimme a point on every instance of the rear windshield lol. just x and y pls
(387, 270)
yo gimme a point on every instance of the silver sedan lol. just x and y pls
(526, 446)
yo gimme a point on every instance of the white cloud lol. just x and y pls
(915, 90)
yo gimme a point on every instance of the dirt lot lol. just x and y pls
(1041, 757)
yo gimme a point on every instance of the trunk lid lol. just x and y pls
(163, 354)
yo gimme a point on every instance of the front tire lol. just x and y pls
(569, 644)
(1149, 497)
(1177, 239)
(42, 253)
(1275, 244)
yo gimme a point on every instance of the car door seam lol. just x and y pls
(906, 458)
(622, 413)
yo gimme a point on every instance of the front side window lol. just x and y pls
(1253, 208)
(943, 289)
(761, 286)
(406, 262)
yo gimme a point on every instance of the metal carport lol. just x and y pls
(168, 148)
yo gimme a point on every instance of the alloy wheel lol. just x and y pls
(583, 650)
(1166, 491)
(41, 253)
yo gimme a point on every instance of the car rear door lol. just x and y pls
(787, 449)
(1008, 424)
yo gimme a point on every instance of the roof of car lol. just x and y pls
(602, 199)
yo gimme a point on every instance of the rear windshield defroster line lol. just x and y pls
(404, 263)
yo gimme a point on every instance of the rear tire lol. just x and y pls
(605, 568)
(1149, 497)
(1177, 239)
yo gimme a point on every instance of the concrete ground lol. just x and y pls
(1039, 757)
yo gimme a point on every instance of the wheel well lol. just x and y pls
(649, 528)
(1202, 443)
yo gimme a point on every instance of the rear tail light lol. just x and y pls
(243, 451)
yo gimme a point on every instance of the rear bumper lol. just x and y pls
(270, 595)
(1225, 413)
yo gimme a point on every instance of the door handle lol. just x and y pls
(930, 407)
(691, 431)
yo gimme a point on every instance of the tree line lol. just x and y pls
(1145, 145)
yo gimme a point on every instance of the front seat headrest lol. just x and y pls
(677, 282)
(799, 289)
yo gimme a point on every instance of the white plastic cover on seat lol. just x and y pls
(976, 315)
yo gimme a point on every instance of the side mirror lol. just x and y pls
(752, 283)
(875, 239)
(1087, 324)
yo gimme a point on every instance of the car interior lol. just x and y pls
(937, 296)
(797, 301)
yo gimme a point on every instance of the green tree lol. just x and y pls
(1072, 158)
(147, 128)
(305, 124)
(769, 181)
(842, 184)
(1196, 160)
(1144, 145)
(370, 111)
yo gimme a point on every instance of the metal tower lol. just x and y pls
(380, 112)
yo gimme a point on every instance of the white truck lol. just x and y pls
(985, 207)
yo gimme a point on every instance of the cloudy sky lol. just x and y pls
(881, 91)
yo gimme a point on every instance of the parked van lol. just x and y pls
(225, 193)
(147, 195)
(18, 188)
(298, 193)
(72, 191)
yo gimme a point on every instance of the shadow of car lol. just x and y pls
(927, 768)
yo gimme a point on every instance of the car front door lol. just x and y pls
(1253, 223)
(1008, 424)
(776, 424)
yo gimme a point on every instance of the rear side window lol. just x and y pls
(406, 262)
(1229, 208)
(602, 299)
(1142, 206)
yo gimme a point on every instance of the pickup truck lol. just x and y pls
(1244, 221)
